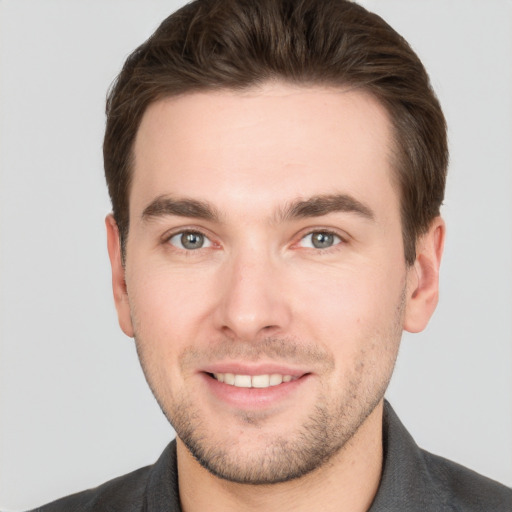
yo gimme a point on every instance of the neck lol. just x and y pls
(347, 482)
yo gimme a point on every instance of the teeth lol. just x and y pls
(276, 379)
(243, 381)
(253, 381)
(261, 381)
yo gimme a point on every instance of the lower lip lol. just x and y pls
(253, 398)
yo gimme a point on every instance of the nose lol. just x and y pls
(252, 303)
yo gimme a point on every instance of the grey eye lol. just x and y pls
(320, 240)
(189, 240)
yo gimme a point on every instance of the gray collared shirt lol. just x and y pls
(412, 480)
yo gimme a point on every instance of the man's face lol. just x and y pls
(265, 250)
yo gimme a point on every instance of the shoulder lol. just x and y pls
(414, 479)
(125, 493)
(464, 489)
(153, 487)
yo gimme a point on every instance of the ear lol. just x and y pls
(118, 276)
(423, 278)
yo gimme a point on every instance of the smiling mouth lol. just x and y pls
(253, 381)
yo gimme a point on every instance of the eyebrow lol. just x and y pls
(315, 206)
(165, 205)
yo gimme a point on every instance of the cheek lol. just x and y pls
(166, 305)
(349, 308)
(359, 321)
(165, 311)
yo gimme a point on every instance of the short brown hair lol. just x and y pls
(236, 44)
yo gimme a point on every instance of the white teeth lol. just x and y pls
(276, 379)
(254, 381)
(242, 381)
(261, 381)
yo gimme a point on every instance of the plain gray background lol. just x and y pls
(74, 407)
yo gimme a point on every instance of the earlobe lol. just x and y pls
(118, 276)
(423, 278)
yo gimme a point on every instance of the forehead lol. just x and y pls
(270, 144)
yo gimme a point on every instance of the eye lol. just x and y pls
(190, 240)
(320, 240)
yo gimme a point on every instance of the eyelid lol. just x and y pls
(343, 237)
(166, 237)
(179, 245)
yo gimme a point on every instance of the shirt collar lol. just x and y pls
(406, 483)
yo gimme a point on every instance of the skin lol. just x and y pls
(258, 294)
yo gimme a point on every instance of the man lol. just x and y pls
(276, 170)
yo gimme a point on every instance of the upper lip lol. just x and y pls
(242, 368)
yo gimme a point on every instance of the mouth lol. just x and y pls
(253, 381)
(251, 388)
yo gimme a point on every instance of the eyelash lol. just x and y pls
(342, 240)
(168, 237)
